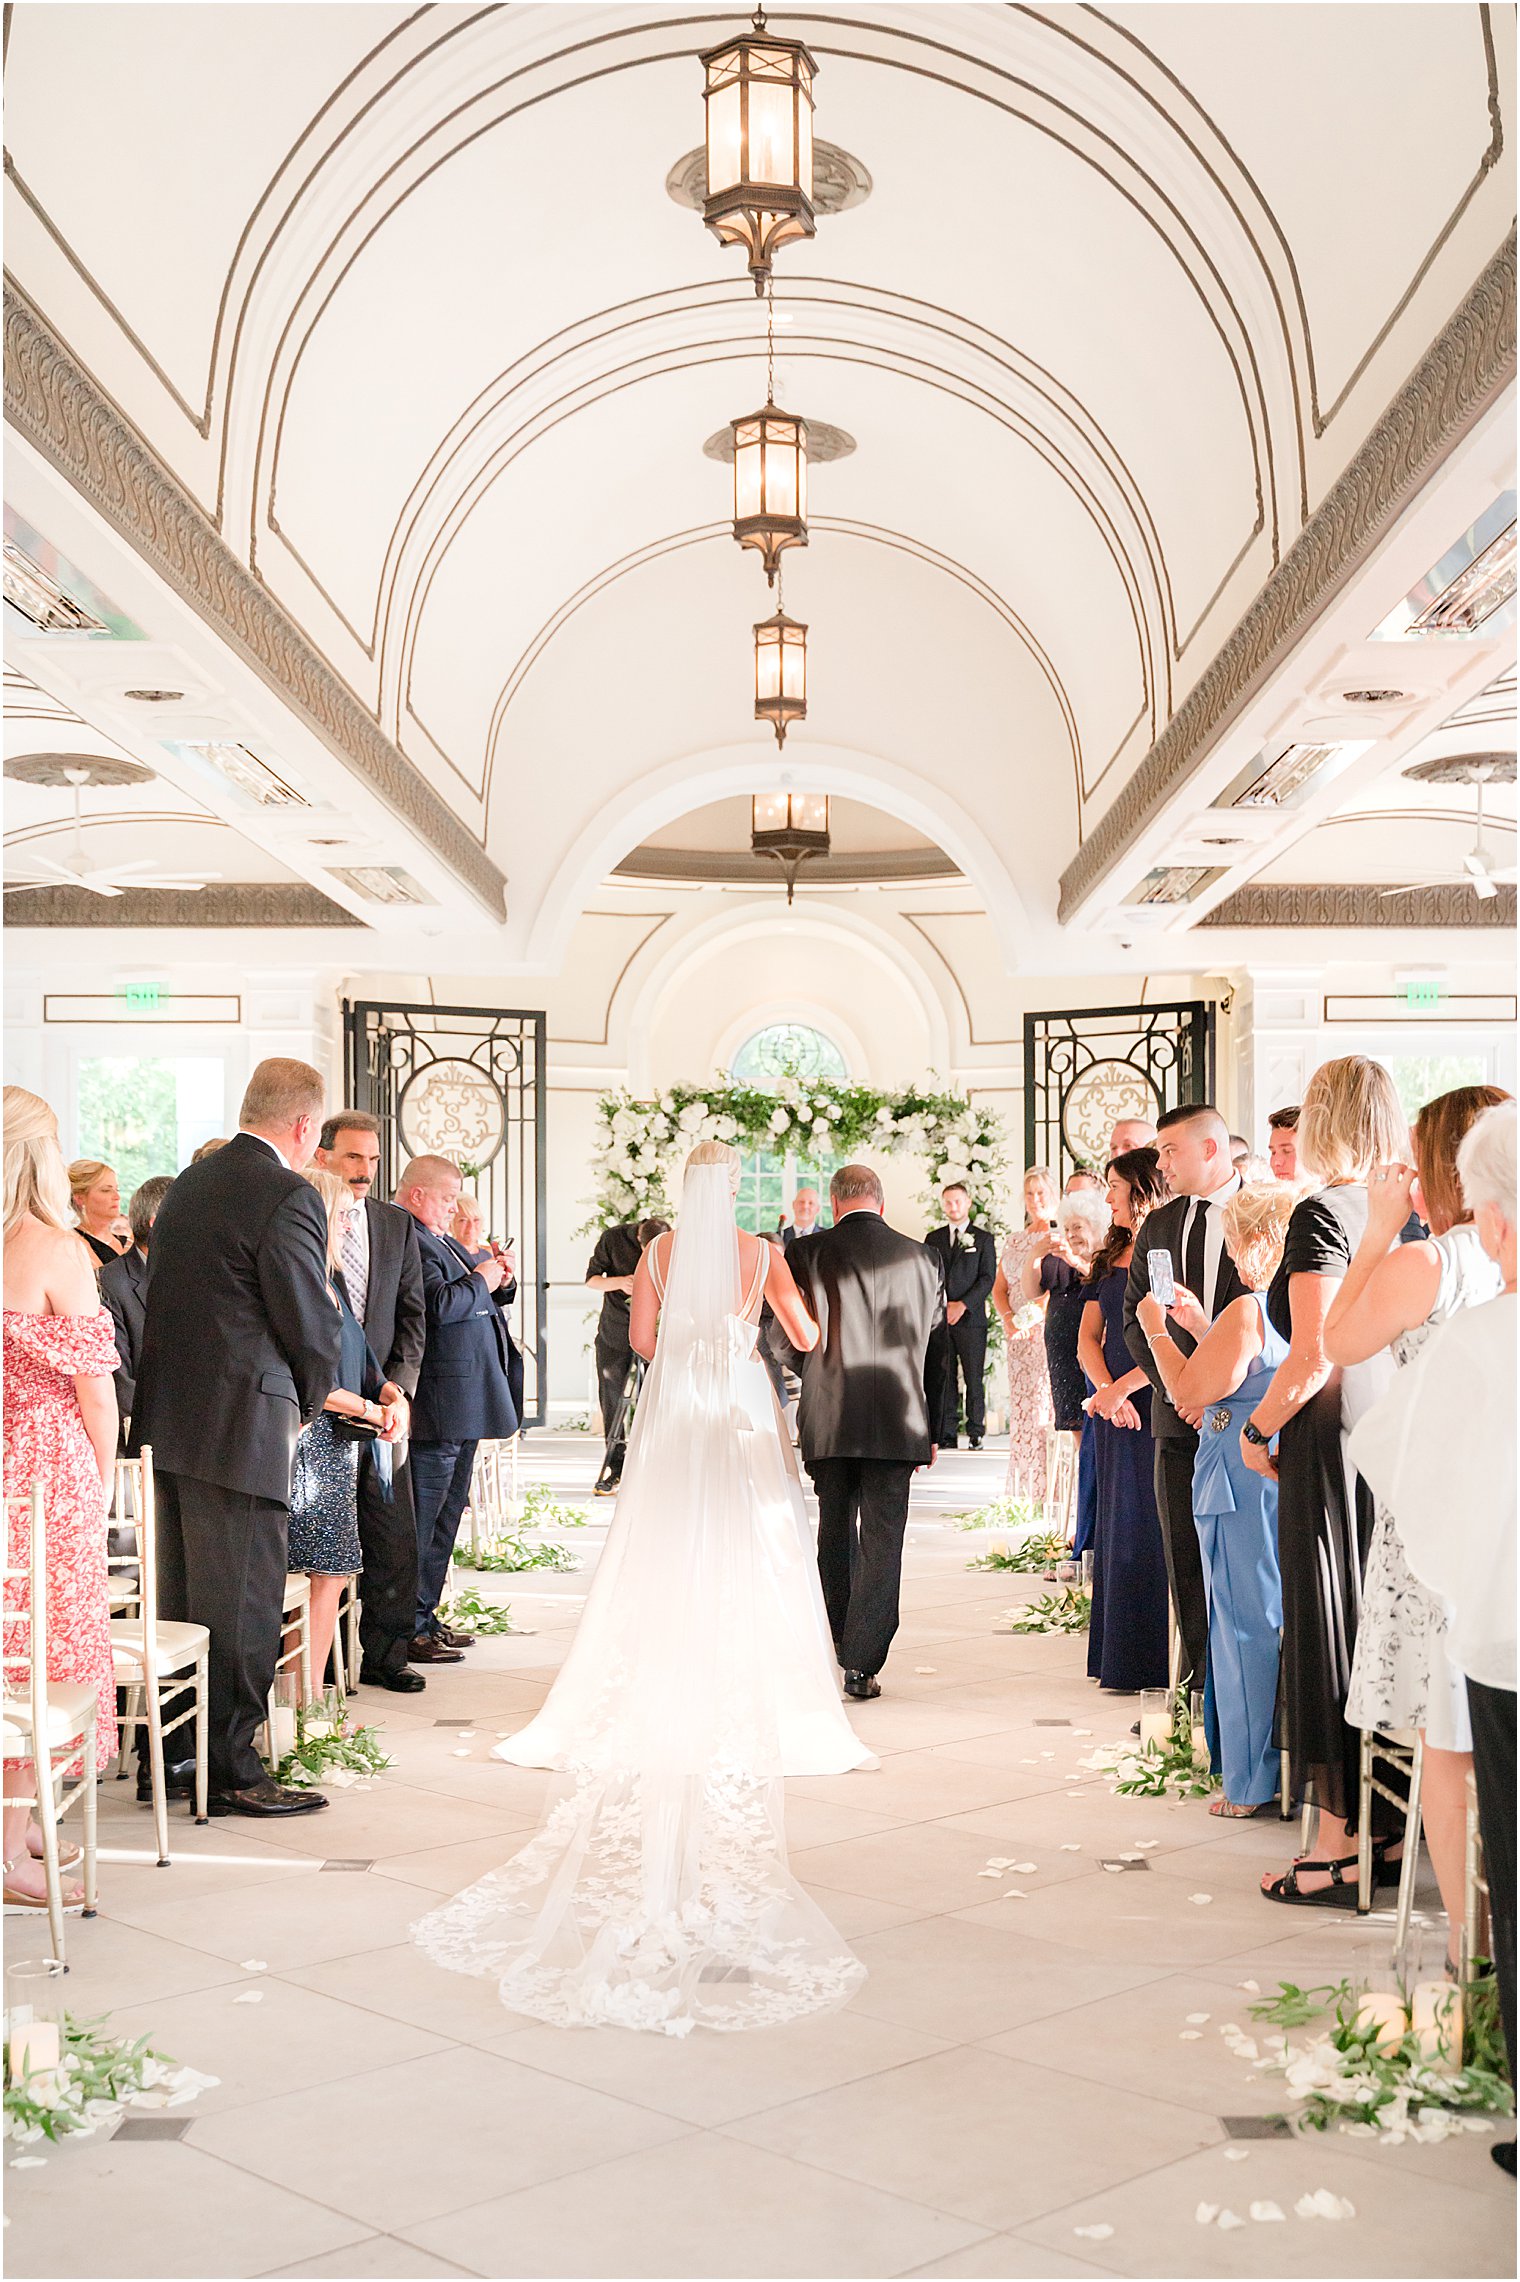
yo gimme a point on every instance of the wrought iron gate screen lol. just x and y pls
(468, 1083)
(1085, 1069)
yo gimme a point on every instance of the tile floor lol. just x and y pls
(1014, 2069)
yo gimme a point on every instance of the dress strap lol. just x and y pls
(757, 1280)
(656, 1273)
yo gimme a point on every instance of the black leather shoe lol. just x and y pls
(179, 1782)
(426, 1650)
(862, 1686)
(451, 1638)
(401, 1682)
(266, 1798)
(975, 1443)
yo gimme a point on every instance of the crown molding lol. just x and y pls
(1443, 906)
(61, 410)
(220, 905)
(1468, 365)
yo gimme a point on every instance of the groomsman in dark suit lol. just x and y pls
(804, 1220)
(124, 1290)
(382, 1274)
(870, 1396)
(240, 1350)
(968, 1259)
(464, 1390)
(1193, 1145)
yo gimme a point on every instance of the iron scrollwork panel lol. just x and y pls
(1085, 1069)
(467, 1083)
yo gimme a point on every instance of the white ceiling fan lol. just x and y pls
(103, 879)
(1482, 868)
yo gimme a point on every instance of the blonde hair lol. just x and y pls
(1350, 1119)
(469, 1205)
(83, 1173)
(335, 1194)
(36, 1180)
(1255, 1226)
(714, 1153)
(280, 1092)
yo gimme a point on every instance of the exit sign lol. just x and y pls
(1422, 997)
(140, 998)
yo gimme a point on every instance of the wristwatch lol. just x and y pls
(1253, 1434)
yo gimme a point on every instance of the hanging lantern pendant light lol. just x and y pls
(770, 471)
(759, 108)
(793, 827)
(780, 672)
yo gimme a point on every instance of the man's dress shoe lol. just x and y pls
(401, 1682)
(862, 1686)
(179, 1782)
(266, 1798)
(426, 1650)
(452, 1639)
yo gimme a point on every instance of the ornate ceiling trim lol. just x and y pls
(52, 401)
(244, 905)
(1453, 906)
(1467, 366)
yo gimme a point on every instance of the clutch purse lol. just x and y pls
(352, 1429)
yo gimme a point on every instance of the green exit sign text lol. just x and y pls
(1422, 997)
(140, 998)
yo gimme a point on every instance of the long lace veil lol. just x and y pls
(656, 1893)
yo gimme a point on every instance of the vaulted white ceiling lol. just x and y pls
(400, 298)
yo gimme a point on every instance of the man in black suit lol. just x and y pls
(240, 1349)
(124, 1290)
(968, 1260)
(804, 1220)
(610, 1271)
(382, 1274)
(465, 1389)
(1193, 1146)
(870, 1394)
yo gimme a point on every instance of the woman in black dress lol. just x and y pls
(97, 1207)
(1350, 1121)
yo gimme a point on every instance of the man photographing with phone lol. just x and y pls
(1180, 1252)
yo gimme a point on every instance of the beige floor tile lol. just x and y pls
(158, 2210)
(712, 2079)
(990, 2139)
(855, 1914)
(448, 1869)
(1007, 2258)
(1141, 1916)
(913, 1784)
(1405, 2224)
(402, 1984)
(966, 1982)
(389, 1817)
(379, 2258)
(412, 2142)
(293, 2038)
(704, 2206)
(1138, 2039)
(825, 1822)
(111, 1963)
(922, 1866)
(299, 1922)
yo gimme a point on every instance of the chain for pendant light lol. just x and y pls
(770, 340)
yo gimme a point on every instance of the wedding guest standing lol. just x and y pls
(97, 1206)
(1454, 1495)
(1393, 1296)
(1351, 1121)
(805, 1210)
(1282, 1144)
(464, 1391)
(1029, 1412)
(124, 1289)
(382, 1282)
(1127, 1639)
(610, 1271)
(324, 1492)
(968, 1259)
(1056, 1269)
(1234, 1508)
(1193, 1145)
(1130, 1133)
(239, 1349)
(60, 1430)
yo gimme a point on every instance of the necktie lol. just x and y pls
(1195, 1252)
(355, 1265)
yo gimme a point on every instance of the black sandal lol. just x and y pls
(1340, 1894)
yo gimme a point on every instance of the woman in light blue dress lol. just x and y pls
(1234, 1509)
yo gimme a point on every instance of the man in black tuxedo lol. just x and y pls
(968, 1261)
(469, 1389)
(240, 1349)
(610, 1271)
(124, 1290)
(1193, 1146)
(870, 1395)
(382, 1274)
(804, 1220)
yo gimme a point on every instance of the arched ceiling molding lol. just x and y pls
(1220, 257)
(662, 795)
(705, 534)
(650, 980)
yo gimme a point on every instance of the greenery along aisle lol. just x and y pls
(640, 1144)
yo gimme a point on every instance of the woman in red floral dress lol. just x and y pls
(60, 1430)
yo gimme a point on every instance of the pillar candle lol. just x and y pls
(34, 2050)
(283, 1732)
(1155, 1728)
(1383, 2010)
(1435, 2015)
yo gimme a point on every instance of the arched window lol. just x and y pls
(768, 1181)
(787, 1050)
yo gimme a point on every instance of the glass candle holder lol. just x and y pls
(1202, 1756)
(284, 1700)
(326, 1715)
(1087, 1572)
(1155, 1718)
(34, 2018)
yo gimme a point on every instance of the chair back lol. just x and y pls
(133, 1508)
(24, 1666)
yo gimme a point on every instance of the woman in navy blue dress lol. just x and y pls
(1128, 1639)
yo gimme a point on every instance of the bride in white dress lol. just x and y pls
(656, 1893)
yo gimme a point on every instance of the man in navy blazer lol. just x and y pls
(464, 1388)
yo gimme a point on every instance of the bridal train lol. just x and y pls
(656, 1893)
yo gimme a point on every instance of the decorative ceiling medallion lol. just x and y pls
(824, 443)
(1458, 768)
(1376, 696)
(451, 1108)
(1105, 1092)
(63, 772)
(839, 180)
(154, 696)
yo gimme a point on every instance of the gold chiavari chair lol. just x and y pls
(156, 1658)
(50, 1723)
